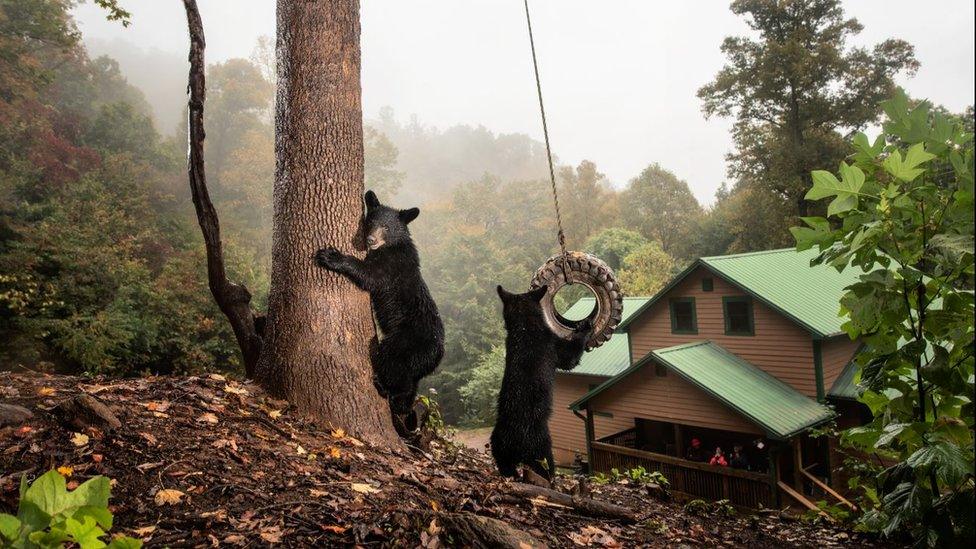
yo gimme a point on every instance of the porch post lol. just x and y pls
(773, 457)
(679, 440)
(589, 437)
(797, 464)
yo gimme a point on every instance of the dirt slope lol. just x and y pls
(239, 469)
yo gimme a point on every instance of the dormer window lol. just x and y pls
(684, 319)
(738, 315)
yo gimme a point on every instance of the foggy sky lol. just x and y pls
(619, 77)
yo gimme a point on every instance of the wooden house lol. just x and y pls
(740, 351)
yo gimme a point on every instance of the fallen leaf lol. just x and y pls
(315, 493)
(168, 497)
(338, 432)
(225, 443)
(23, 431)
(335, 528)
(79, 439)
(208, 417)
(219, 514)
(150, 438)
(71, 485)
(235, 390)
(334, 452)
(46, 391)
(65, 471)
(274, 414)
(97, 458)
(363, 488)
(217, 377)
(144, 531)
(299, 450)
(271, 535)
(95, 389)
(157, 406)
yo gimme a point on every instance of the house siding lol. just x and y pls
(668, 398)
(837, 353)
(568, 431)
(779, 346)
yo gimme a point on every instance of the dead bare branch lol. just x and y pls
(233, 299)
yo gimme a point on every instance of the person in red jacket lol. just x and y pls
(718, 458)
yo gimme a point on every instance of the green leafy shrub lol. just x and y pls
(50, 516)
(902, 212)
(698, 507)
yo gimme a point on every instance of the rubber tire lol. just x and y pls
(590, 271)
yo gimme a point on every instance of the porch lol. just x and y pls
(781, 480)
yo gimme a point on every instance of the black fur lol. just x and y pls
(411, 341)
(532, 354)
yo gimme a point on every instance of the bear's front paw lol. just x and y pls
(328, 258)
(585, 326)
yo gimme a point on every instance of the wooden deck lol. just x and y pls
(741, 488)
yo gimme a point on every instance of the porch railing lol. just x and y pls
(742, 488)
(626, 438)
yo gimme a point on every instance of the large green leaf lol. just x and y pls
(906, 169)
(845, 190)
(9, 527)
(85, 533)
(51, 496)
(951, 463)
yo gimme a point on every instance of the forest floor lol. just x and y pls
(207, 461)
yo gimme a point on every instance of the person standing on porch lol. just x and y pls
(694, 452)
(718, 458)
(738, 460)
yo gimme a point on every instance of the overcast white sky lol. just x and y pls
(619, 77)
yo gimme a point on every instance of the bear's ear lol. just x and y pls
(538, 293)
(502, 293)
(371, 200)
(406, 216)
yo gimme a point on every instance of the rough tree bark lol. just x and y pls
(233, 299)
(313, 348)
(319, 326)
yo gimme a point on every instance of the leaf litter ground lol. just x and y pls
(209, 461)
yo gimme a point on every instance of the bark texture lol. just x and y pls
(319, 326)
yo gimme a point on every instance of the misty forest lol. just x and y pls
(105, 291)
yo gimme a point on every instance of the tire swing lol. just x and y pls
(569, 267)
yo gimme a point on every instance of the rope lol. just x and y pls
(545, 132)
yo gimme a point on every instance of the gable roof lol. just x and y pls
(774, 406)
(844, 386)
(782, 279)
(612, 357)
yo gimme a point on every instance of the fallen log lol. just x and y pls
(584, 505)
(487, 533)
(84, 411)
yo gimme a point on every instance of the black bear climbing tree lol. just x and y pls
(314, 346)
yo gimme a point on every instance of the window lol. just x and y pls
(708, 285)
(738, 315)
(683, 318)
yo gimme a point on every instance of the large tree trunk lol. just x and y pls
(319, 328)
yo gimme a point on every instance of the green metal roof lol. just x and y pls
(785, 281)
(612, 357)
(774, 406)
(844, 386)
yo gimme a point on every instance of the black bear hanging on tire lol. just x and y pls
(591, 272)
